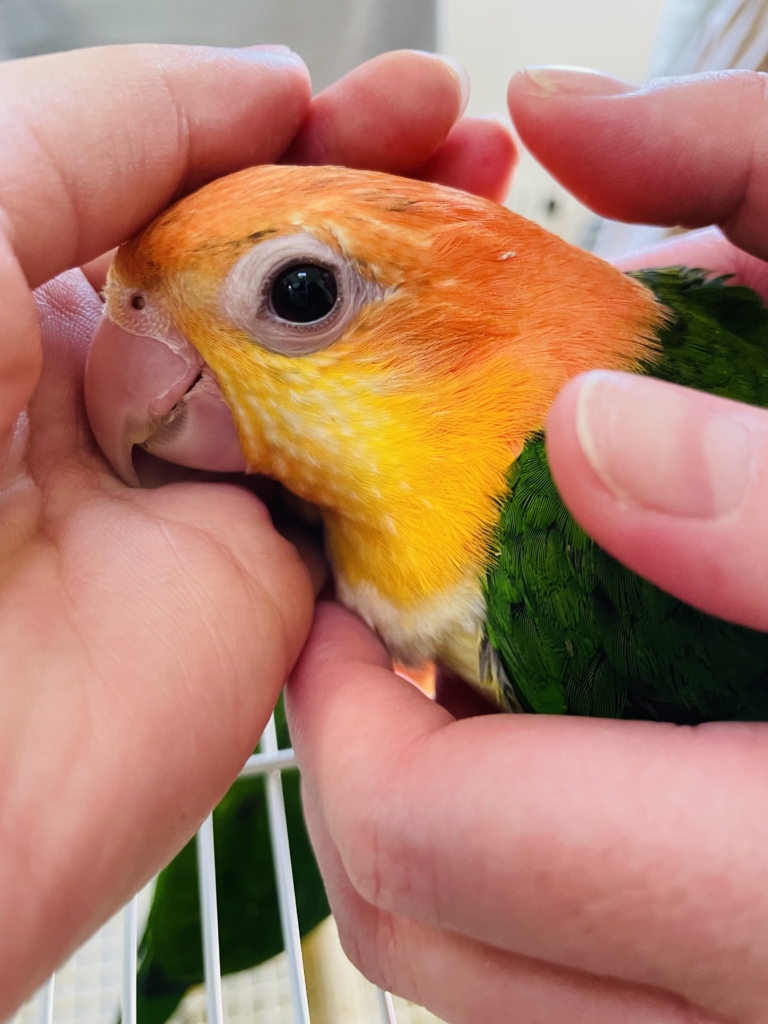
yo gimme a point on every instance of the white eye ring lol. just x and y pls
(246, 295)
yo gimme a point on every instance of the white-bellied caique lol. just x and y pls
(389, 349)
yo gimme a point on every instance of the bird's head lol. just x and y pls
(381, 346)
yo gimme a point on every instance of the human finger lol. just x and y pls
(479, 155)
(464, 981)
(710, 250)
(84, 167)
(600, 846)
(690, 151)
(185, 610)
(672, 482)
(390, 114)
(96, 271)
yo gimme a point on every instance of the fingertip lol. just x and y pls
(562, 114)
(707, 249)
(390, 114)
(678, 151)
(95, 271)
(344, 696)
(570, 470)
(670, 482)
(163, 120)
(460, 74)
(339, 637)
(479, 156)
(21, 352)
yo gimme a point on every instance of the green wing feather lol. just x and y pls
(576, 632)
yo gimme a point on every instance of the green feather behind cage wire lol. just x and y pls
(171, 951)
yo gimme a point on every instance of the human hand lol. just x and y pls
(144, 635)
(520, 869)
(692, 152)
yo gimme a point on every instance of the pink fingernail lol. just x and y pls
(563, 80)
(665, 447)
(269, 48)
(270, 52)
(462, 75)
(459, 71)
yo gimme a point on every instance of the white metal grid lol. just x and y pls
(269, 762)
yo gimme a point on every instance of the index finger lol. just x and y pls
(97, 141)
(690, 151)
(602, 846)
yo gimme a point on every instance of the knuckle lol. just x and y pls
(364, 862)
(371, 942)
(385, 864)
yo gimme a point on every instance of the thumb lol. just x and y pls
(673, 483)
(690, 151)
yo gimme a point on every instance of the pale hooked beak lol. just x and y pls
(159, 394)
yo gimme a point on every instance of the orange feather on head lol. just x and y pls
(402, 430)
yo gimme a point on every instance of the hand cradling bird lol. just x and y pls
(388, 350)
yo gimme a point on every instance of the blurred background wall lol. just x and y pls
(332, 36)
(491, 37)
(634, 39)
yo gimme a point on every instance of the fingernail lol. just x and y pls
(273, 53)
(269, 48)
(563, 80)
(461, 74)
(664, 447)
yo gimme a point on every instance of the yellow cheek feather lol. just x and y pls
(384, 453)
(404, 443)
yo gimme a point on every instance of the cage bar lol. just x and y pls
(386, 1007)
(262, 764)
(130, 944)
(46, 1001)
(281, 851)
(206, 870)
(269, 762)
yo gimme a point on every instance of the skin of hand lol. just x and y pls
(528, 869)
(144, 635)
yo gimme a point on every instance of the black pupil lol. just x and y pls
(304, 293)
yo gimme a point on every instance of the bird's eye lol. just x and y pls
(304, 293)
(294, 294)
(138, 302)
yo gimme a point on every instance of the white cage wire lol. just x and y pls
(270, 762)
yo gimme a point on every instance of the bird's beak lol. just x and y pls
(159, 394)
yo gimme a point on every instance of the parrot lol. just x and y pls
(170, 952)
(388, 350)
